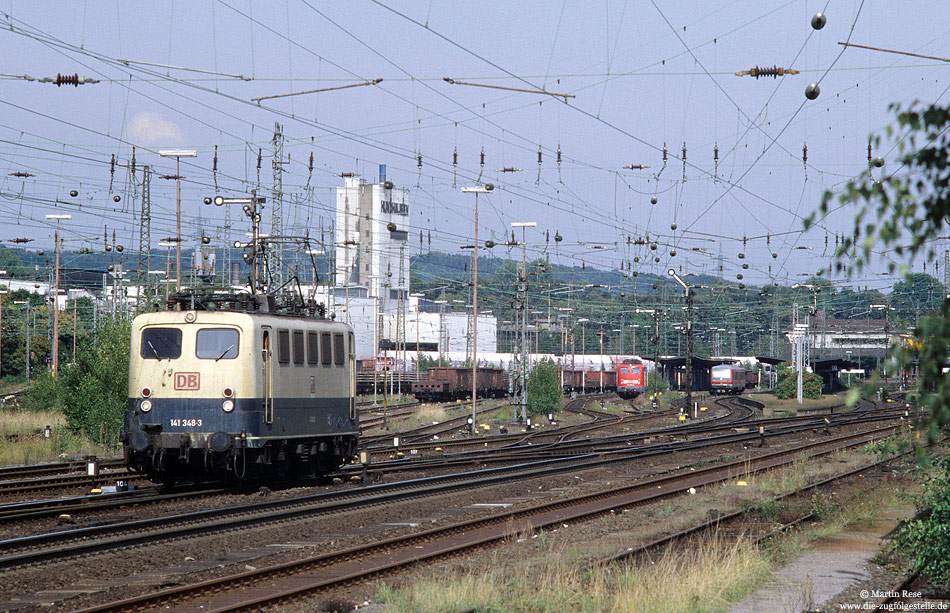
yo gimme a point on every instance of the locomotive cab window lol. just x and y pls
(217, 344)
(624, 370)
(283, 346)
(339, 349)
(298, 347)
(326, 349)
(161, 343)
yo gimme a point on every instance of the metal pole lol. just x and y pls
(56, 309)
(689, 350)
(475, 317)
(178, 224)
(75, 325)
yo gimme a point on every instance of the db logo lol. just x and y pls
(187, 381)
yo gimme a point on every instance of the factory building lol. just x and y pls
(372, 278)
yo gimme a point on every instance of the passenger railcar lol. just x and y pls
(215, 393)
(731, 379)
(631, 379)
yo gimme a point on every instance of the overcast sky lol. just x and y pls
(638, 75)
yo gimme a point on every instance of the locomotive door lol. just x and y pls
(267, 363)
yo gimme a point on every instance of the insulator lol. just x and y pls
(869, 151)
(664, 153)
(419, 161)
(765, 71)
(716, 152)
(310, 167)
(805, 153)
(481, 161)
(455, 157)
(67, 79)
(684, 150)
(214, 162)
(559, 153)
(112, 165)
(539, 155)
(259, 159)
(430, 238)
(557, 237)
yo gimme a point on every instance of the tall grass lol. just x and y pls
(705, 577)
(23, 439)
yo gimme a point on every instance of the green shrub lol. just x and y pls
(92, 393)
(925, 540)
(787, 385)
(544, 388)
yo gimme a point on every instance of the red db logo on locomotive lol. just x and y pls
(187, 381)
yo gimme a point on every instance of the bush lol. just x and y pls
(544, 388)
(92, 393)
(925, 539)
(787, 385)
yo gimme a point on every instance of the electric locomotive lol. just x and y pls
(233, 388)
(631, 379)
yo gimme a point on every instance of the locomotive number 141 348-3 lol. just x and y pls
(185, 423)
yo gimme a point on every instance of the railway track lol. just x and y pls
(283, 583)
(69, 543)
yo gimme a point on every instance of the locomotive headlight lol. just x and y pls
(146, 392)
(228, 392)
(228, 406)
(190, 317)
(146, 406)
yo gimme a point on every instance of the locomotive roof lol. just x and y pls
(219, 317)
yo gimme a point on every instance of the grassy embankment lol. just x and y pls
(547, 572)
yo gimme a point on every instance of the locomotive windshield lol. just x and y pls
(161, 343)
(217, 344)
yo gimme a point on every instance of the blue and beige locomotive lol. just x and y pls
(234, 388)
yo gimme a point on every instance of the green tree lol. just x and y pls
(904, 211)
(92, 393)
(918, 294)
(544, 388)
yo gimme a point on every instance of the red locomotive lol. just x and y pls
(631, 378)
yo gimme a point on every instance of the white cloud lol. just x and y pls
(149, 128)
